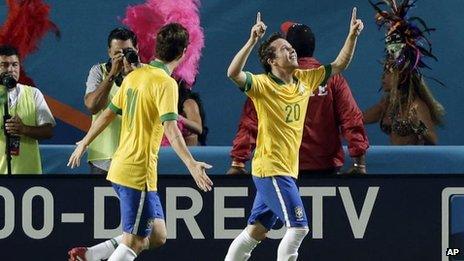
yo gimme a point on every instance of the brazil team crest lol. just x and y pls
(299, 213)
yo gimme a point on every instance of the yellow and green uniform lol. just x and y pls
(106, 143)
(147, 98)
(28, 160)
(281, 110)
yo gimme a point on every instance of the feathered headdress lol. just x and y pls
(146, 20)
(406, 41)
(26, 24)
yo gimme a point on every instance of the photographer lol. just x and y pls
(30, 120)
(102, 83)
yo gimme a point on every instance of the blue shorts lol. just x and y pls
(277, 198)
(138, 209)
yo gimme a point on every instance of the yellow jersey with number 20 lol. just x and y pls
(281, 110)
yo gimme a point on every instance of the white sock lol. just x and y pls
(241, 247)
(123, 253)
(288, 247)
(103, 250)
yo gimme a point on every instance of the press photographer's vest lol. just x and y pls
(28, 160)
(104, 146)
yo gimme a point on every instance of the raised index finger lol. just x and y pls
(258, 17)
(353, 15)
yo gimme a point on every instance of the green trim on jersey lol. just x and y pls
(248, 82)
(160, 65)
(328, 72)
(279, 81)
(276, 79)
(114, 108)
(171, 116)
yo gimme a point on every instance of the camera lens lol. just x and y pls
(131, 55)
(7, 80)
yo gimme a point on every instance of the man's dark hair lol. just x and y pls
(8, 50)
(266, 51)
(122, 33)
(171, 41)
(302, 40)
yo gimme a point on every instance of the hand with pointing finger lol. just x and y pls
(356, 25)
(258, 30)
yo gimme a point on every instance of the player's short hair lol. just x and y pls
(266, 51)
(171, 41)
(122, 33)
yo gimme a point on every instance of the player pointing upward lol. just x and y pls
(280, 97)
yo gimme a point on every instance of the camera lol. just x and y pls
(7, 80)
(130, 55)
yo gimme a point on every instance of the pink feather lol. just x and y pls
(146, 20)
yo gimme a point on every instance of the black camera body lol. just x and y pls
(130, 55)
(7, 80)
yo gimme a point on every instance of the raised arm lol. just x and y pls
(97, 99)
(235, 71)
(346, 53)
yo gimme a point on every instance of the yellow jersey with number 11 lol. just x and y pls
(147, 97)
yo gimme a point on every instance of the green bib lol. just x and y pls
(104, 146)
(28, 160)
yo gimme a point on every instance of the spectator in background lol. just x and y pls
(332, 113)
(408, 112)
(102, 83)
(31, 119)
(191, 121)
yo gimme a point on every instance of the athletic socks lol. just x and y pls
(103, 250)
(123, 253)
(288, 247)
(241, 247)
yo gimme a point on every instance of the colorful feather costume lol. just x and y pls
(146, 20)
(26, 24)
(406, 43)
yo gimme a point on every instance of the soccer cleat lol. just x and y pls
(77, 254)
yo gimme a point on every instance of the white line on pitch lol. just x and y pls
(72, 218)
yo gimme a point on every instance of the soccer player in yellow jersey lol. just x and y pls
(280, 97)
(147, 102)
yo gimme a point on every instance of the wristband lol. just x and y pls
(237, 164)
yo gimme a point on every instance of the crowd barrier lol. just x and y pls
(365, 218)
(380, 160)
